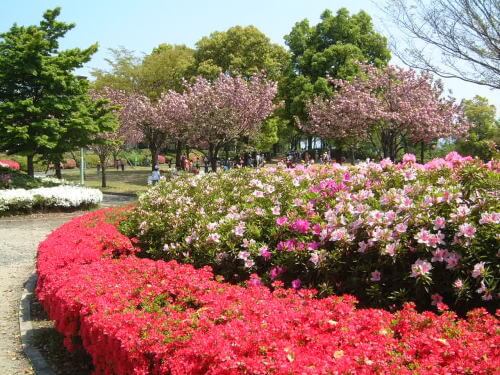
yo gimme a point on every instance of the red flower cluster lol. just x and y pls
(138, 316)
(11, 164)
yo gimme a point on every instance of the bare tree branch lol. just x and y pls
(466, 33)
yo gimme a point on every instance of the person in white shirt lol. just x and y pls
(155, 176)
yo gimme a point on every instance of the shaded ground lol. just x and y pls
(19, 238)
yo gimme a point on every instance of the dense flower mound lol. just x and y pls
(387, 233)
(11, 164)
(139, 316)
(60, 197)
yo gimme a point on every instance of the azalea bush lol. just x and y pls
(57, 197)
(387, 233)
(11, 164)
(139, 316)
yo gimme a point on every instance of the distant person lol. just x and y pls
(122, 165)
(205, 161)
(155, 175)
(98, 166)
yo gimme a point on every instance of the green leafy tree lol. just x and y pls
(165, 69)
(332, 48)
(240, 51)
(40, 96)
(124, 73)
(89, 122)
(484, 135)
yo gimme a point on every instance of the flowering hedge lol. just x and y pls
(11, 164)
(138, 316)
(387, 233)
(57, 197)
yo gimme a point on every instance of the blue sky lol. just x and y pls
(140, 25)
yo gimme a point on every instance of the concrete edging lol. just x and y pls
(38, 362)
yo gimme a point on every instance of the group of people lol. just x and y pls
(296, 157)
(119, 164)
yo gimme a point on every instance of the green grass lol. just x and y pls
(132, 180)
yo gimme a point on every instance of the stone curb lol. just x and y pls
(39, 363)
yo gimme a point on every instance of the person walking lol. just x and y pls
(155, 175)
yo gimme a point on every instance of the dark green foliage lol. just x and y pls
(42, 101)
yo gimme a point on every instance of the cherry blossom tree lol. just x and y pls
(390, 107)
(140, 120)
(174, 119)
(227, 109)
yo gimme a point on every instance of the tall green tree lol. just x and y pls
(165, 69)
(40, 96)
(484, 135)
(124, 73)
(240, 51)
(332, 48)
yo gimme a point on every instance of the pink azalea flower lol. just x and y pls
(276, 210)
(281, 221)
(436, 298)
(478, 270)
(401, 228)
(458, 284)
(375, 276)
(420, 268)
(301, 226)
(409, 159)
(362, 246)
(452, 259)
(296, 284)
(490, 218)
(466, 230)
(239, 230)
(439, 223)
(276, 272)
(439, 255)
(265, 253)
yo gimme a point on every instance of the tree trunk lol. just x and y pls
(212, 156)
(103, 171)
(154, 157)
(178, 154)
(422, 149)
(57, 167)
(309, 143)
(31, 166)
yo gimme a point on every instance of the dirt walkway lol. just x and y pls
(19, 238)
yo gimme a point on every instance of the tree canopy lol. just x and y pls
(42, 101)
(332, 48)
(390, 106)
(484, 135)
(239, 51)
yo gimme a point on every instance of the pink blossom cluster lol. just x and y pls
(139, 316)
(11, 164)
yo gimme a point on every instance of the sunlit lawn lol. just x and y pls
(132, 180)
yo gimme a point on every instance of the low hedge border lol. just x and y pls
(139, 316)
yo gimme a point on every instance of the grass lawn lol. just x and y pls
(132, 180)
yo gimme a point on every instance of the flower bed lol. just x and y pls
(57, 197)
(138, 316)
(11, 164)
(387, 233)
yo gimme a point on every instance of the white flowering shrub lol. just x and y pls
(388, 233)
(62, 197)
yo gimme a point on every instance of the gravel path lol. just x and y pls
(19, 238)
